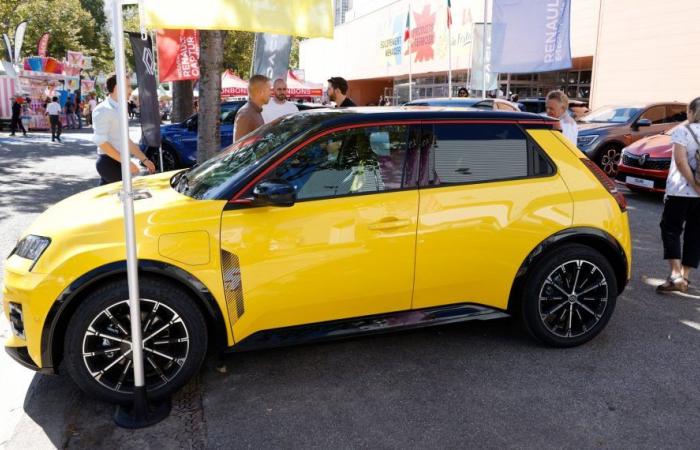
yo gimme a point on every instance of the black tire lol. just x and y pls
(609, 159)
(170, 158)
(581, 320)
(184, 341)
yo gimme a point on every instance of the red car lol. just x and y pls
(644, 165)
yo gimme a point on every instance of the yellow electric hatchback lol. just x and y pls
(324, 224)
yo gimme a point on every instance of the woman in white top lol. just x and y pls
(558, 107)
(681, 214)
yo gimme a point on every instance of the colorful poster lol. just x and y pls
(42, 46)
(87, 86)
(178, 55)
(74, 59)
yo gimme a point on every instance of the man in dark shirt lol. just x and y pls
(16, 121)
(249, 117)
(337, 92)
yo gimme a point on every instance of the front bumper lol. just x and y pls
(657, 177)
(21, 355)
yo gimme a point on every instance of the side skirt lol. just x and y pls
(359, 326)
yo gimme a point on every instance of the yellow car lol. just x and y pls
(324, 224)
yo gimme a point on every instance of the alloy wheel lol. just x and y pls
(573, 298)
(107, 350)
(610, 160)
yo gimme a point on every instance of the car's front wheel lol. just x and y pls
(569, 297)
(609, 159)
(98, 352)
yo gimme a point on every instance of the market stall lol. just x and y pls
(300, 90)
(233, 86)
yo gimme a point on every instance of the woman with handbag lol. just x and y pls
(681, 214)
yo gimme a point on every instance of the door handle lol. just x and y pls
(389, 223)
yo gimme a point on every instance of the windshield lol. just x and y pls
(611, 115)
(208, 180)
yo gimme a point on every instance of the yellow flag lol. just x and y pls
(307, 18)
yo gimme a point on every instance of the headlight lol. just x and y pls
(585, 141)
(31, 247)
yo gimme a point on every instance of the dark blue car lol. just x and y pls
(179, 140)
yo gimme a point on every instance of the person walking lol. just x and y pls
(70, 114)
(681, 215)
(53, 110)
(249, 117)
(91, 105)
(557, 105)
(105, 128)
(338, 91)
(278, 106)
(16, 120)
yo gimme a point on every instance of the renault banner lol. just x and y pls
(148, 88)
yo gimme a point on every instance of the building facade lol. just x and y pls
(620, 50)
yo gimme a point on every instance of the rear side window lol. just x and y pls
(677, 113)
(476, 153)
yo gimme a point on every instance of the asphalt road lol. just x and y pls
(483, 385)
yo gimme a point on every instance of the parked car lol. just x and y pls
(645, 164)
(324, 225)
(461, 102)
(538, 105)
(603, 133)
(179, 140)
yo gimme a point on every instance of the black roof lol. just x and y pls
(342, 116)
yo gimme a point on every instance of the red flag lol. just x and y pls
(43, 45)
(178, 55)
(407, 33)
(449, 14)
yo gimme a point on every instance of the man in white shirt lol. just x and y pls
(53, 110)
(105, 127)
(279, 106)
(558, 107)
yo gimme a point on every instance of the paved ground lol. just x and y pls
(472, 385)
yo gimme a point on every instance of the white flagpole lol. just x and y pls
(449, 59)
(483, 53)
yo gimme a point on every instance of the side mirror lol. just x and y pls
(274, 193)
(643, 123)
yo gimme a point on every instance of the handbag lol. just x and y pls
(696, 173)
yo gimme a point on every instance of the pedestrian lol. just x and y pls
(515, 98)
(92, 104)
(278, 106)
(16, 120)
(53, 110)
(132, 108)
(463, 92)
(106, 135)
(382, 100)
(249, 117)
(70, 114)
(337, 92)
(78, 108)
(557, 105)
(681, 215)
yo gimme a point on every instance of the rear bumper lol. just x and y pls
(21, 355)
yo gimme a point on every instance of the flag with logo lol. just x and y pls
(271, 55)
(531, 36)
(43, 45)
(148, 88)
(178, 55)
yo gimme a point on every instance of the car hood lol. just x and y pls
(591, 128)
(93, 211)
(657, 146)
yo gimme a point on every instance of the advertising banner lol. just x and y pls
(148, 88)
(178, 55)
(531, 35)
(87, 86)
(43, 45)
(271, 55)
(482, 67)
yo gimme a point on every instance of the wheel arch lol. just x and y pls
(59, 315)
(595, 238)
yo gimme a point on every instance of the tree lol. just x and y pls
(183, 100)
(211, 48)
(238, 52)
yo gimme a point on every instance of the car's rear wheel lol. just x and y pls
(98, 341)
(609, 159)
(569, 297)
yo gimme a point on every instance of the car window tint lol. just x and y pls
(505, 106)
(677, 113)
(348, 162)
(476, 153)
(656, 114)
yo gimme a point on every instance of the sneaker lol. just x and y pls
(59, 139)
(673, 284)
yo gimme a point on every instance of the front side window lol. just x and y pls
(611, 115)
(476, 153)
(354, 161)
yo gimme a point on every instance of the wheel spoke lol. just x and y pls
(578, 271)
(123, 374)
(555, 309)
(595, 286)
(112, 364)
(176, 318)
(115, 322)
(587, 309)
(158, 370)
(108, 336)
(101, 352)
(571, 316)
(156, 352)
(549, 280)
(150, 317)
(170, 341)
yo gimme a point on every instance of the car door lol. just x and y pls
(346, 248)
(489, 197)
